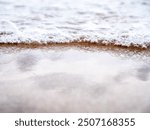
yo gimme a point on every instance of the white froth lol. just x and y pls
(122, 21)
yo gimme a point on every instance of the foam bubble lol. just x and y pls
(125, 22)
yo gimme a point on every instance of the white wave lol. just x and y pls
(125, 21)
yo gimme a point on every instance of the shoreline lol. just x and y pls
(85, 44)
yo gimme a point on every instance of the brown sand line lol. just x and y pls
(87, 44)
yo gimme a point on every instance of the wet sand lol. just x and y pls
(75, 78)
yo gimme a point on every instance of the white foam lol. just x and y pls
(125, 21)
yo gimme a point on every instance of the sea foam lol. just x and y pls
(122, 22)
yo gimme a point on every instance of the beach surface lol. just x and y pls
(75, 56)
(74, 79)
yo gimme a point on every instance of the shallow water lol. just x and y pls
(121, 21)
(74, 80)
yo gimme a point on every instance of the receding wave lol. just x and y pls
(116, 23)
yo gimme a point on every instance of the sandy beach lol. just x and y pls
(75, 56)
(63, 78)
